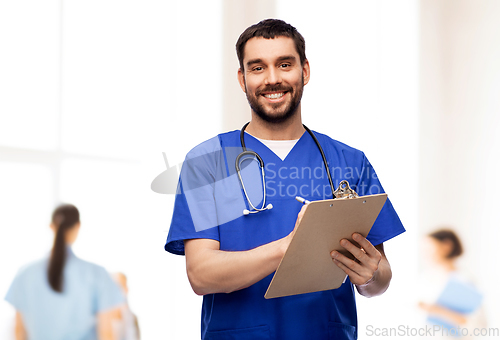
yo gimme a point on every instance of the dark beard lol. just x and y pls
(289, 112)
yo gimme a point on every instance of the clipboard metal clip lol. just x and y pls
(345, 191)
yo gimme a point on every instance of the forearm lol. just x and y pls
(380, 281)
(20, 331)
(106, 334)
(211, 270)
(447, 314)
(105, 324)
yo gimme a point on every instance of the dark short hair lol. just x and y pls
(448, 235)
(269, 29)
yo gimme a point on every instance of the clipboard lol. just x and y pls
(307, 265)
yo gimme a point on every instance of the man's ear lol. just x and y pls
(306, 71)
(241, 80)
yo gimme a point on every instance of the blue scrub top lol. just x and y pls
(210, 202)
(87, 290)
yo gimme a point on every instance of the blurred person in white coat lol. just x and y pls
(455, 304)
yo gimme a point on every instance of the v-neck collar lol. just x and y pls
(271, 152)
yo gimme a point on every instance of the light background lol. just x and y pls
(92, 93)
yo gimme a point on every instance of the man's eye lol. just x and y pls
(284, 65)
(258, 68)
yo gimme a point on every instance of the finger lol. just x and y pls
(302, 210)
(365, 244)
(365, 270)
(347, 262)
(358, 253)
(300, 215)
(353, 276)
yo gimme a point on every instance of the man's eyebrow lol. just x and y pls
(253, 61)
(287, 57)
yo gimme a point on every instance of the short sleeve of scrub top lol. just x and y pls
(202, 168)
(361, 175)
(16, 295)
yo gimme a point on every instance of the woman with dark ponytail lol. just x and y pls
(65, 224)
(62, 296)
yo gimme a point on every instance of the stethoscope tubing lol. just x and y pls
(256, 156)
(263, 174)
(324, 159)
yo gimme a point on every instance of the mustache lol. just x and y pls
(274, 88)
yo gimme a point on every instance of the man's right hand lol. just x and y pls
(211, 270)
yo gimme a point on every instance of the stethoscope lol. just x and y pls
(254, 155)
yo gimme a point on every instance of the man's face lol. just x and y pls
(273, 78)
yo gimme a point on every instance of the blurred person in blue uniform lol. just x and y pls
(458, 303)
(233, 249)
(63, 297)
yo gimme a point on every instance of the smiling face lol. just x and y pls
(273, 78)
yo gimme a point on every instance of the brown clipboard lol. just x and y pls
(307, 265)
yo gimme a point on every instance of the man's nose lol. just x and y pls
(273, 76)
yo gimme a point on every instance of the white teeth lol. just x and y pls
(274, 95)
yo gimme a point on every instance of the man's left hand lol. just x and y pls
(364, 270)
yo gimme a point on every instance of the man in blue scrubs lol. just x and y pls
(230, 256)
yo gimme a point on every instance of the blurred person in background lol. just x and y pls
(457, 308)
(125, 324)
(63, 297)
